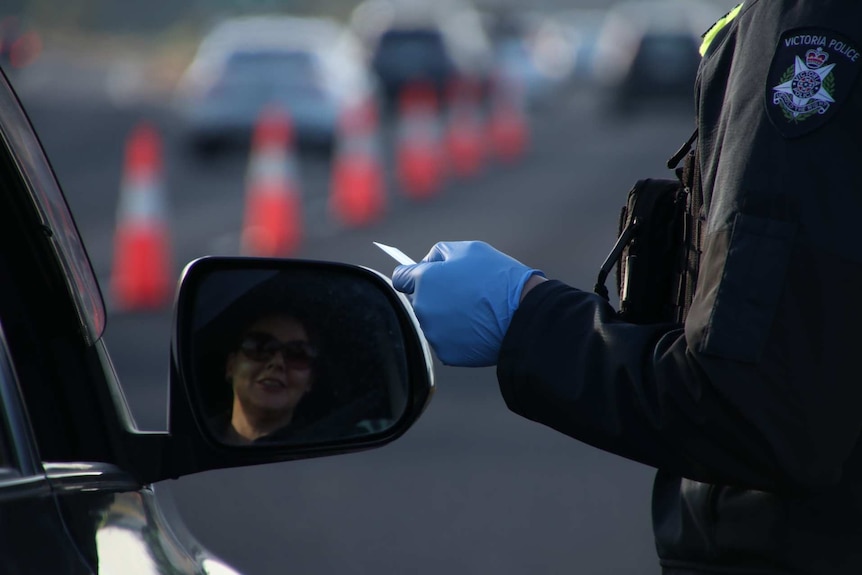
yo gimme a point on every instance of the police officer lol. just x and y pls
(751, 411)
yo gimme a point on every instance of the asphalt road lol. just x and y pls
(471, 488)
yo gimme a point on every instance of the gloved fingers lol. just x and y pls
(404, 278)
(439, 253)
(464, 295)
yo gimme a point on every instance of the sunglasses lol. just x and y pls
(257, 346)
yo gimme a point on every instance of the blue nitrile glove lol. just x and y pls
(464, 295)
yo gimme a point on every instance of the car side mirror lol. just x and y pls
(278, 359)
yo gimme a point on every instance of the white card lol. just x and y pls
(396, 254)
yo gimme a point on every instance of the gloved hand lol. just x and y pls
(464, 295)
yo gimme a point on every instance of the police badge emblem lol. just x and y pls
(810, 75)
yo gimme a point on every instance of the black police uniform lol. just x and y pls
(752, 412)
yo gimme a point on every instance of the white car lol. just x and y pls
(313, 67)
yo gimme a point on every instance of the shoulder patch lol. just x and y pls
(811, 74)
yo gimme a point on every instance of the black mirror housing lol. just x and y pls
(281, 359)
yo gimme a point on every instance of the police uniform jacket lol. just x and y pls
(751, 411)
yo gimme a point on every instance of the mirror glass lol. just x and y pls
(295, 356)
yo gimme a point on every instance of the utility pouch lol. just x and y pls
(658, 249)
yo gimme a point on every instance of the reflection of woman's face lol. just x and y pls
(271, 370)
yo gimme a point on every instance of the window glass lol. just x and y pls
(8, 417)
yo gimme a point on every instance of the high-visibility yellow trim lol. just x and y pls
(717, 27)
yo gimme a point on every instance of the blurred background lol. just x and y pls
(309, 129)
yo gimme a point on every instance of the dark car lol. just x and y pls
(406, 56)
(664, 67)
(76, 473)
(648, 53)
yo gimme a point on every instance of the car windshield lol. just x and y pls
(410, 48)
(271, 66)
(175, 132)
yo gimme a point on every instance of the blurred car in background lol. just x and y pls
(411, 42)
(313, 67)
(533, 52)
(404, 56)
(648, 51)
(582, 27)
(516, 65)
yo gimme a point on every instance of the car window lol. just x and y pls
(259, 66)
(6, 461)
(55, 215)
(412, 48)
(15, 452)
(50, 305)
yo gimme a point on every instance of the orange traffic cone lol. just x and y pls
(272, 223)
(358, 193)
(508, 127)
(419, 155)
(141, 276)
(464, 129)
